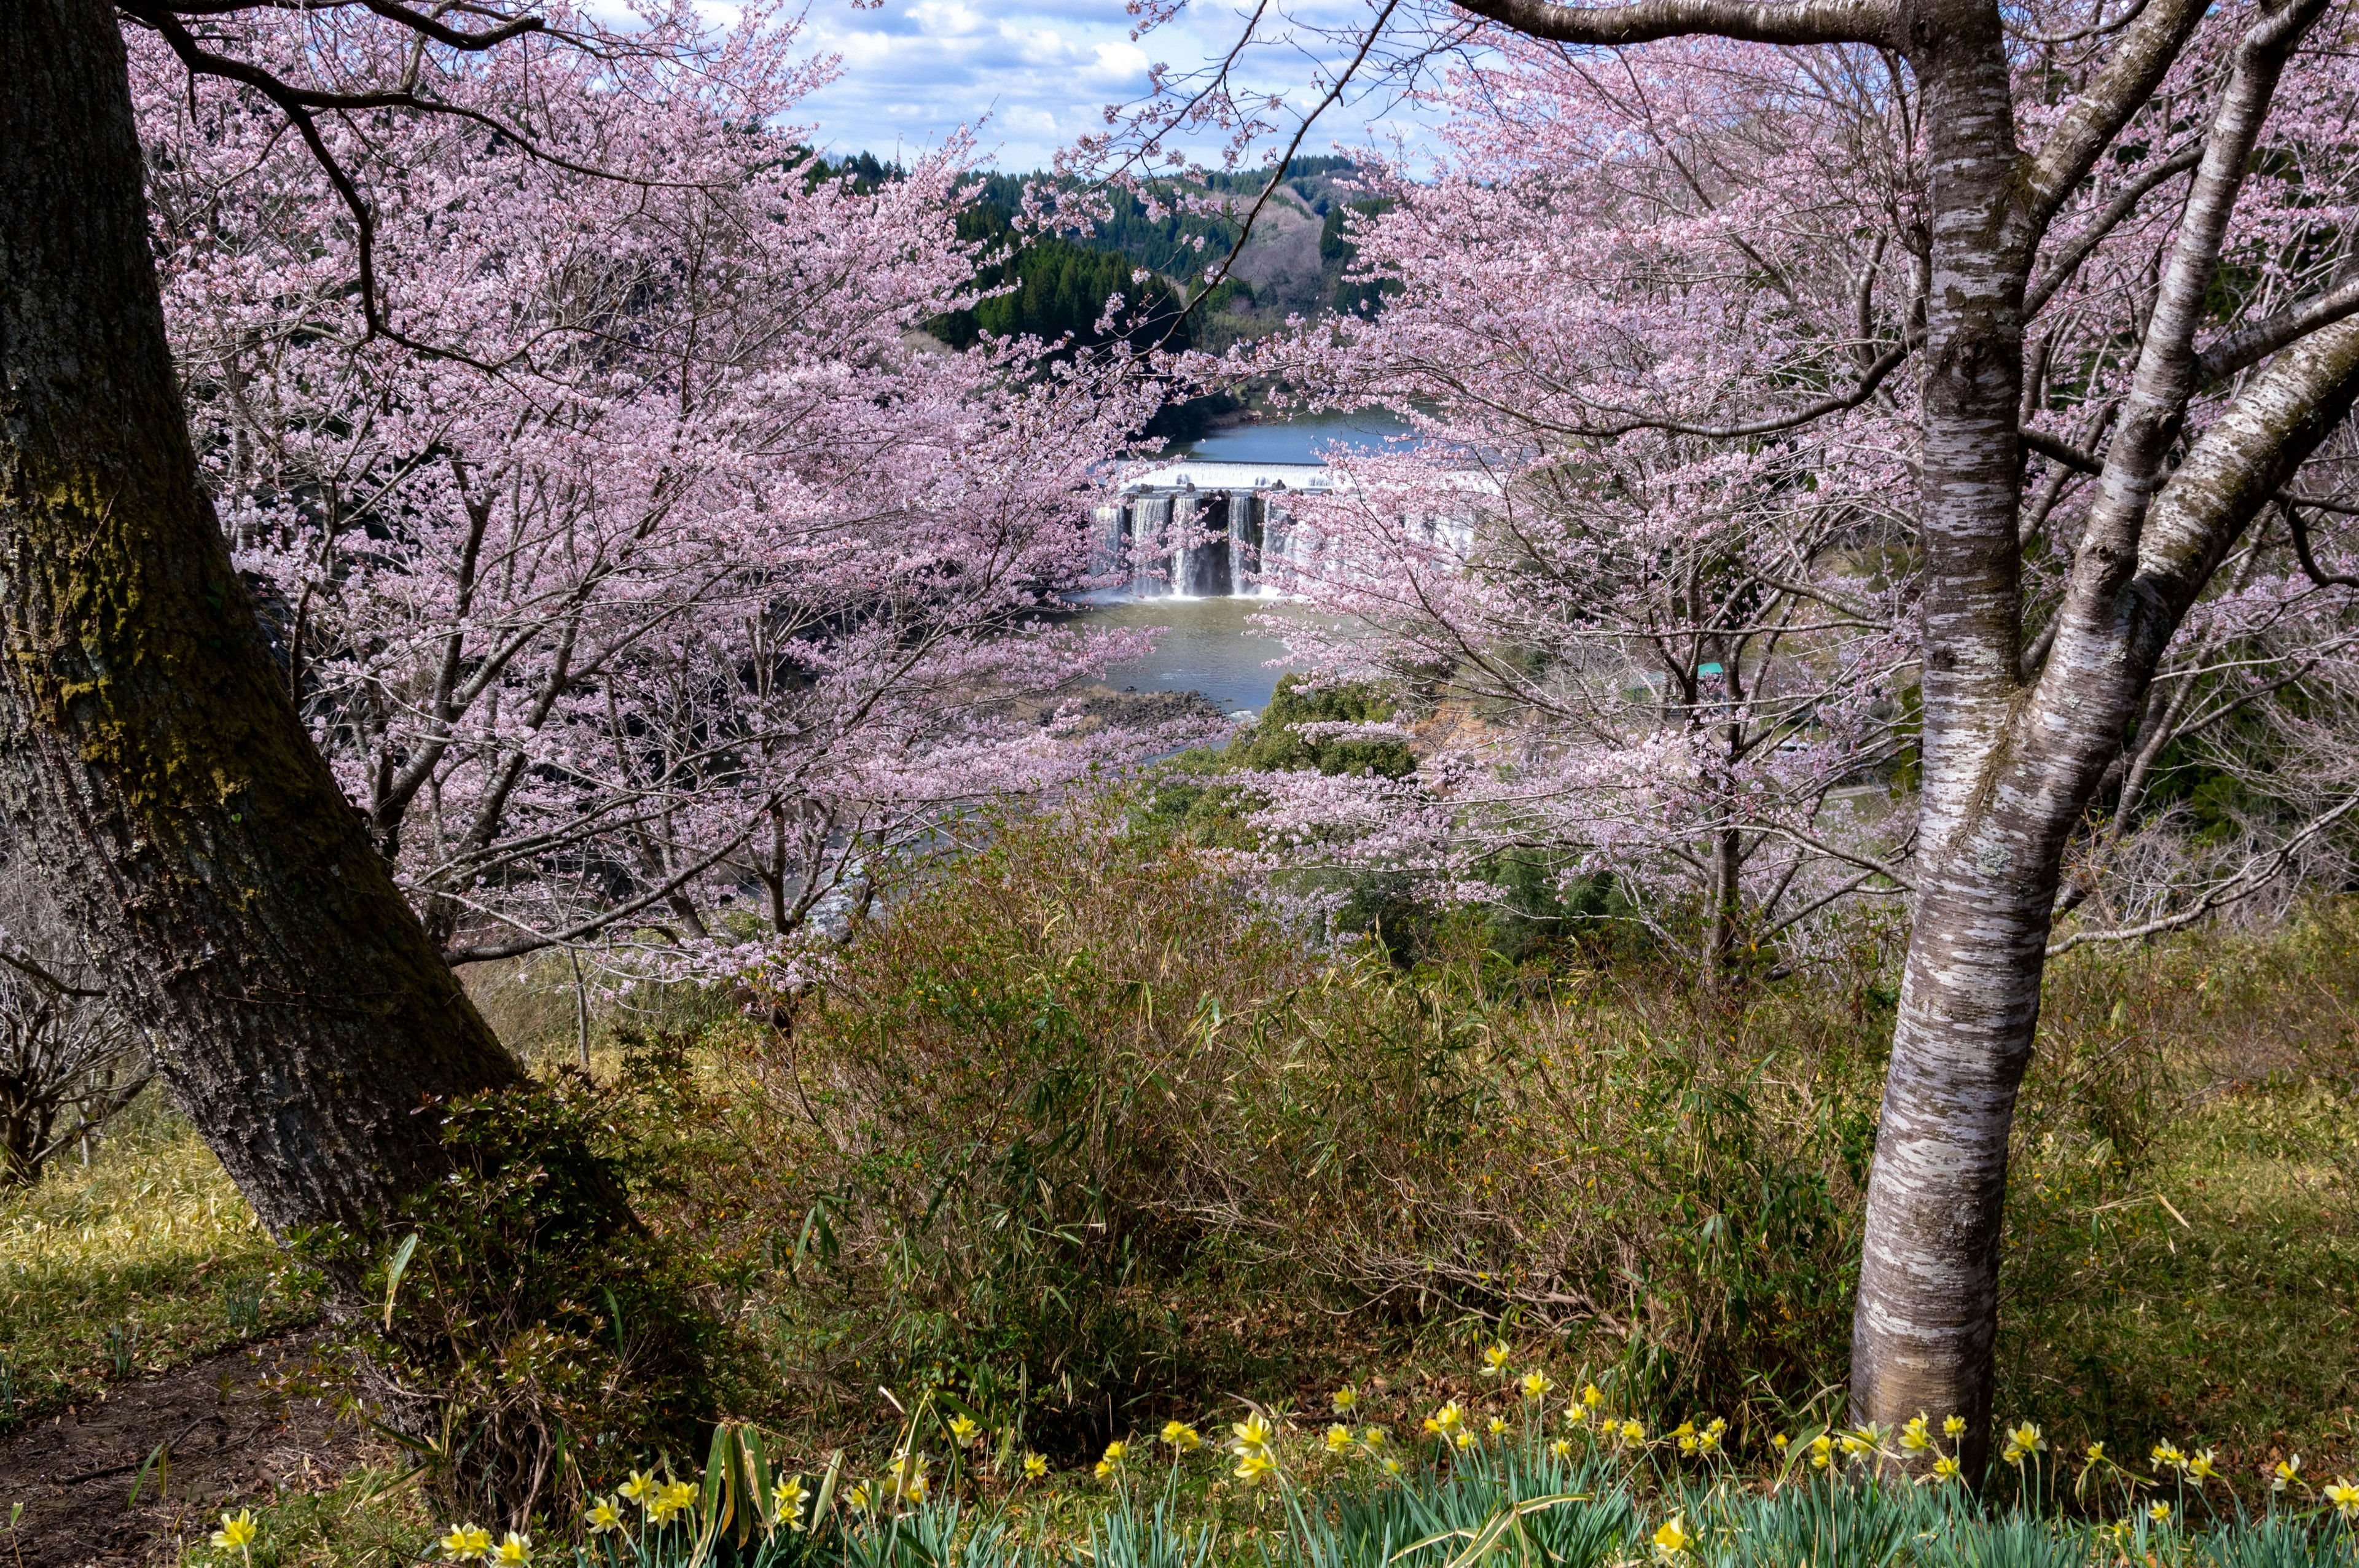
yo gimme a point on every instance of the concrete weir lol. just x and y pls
(1209, 530)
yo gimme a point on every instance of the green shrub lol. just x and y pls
(1080, 1130)
(534, 1331)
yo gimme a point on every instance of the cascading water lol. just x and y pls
(1211, 531)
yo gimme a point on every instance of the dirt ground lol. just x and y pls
(235, 1428)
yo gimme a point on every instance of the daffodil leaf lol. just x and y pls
(394, 1271)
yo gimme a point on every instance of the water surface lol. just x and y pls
(1206, 644)
(1299, 440)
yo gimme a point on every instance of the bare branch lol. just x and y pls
(1277, 174)
(2243, 885)
(2124, 85)
(2232, 351)
(1859, 393)
(2116, 212)
(29, 966)
(2301, 550)
(1792, 22)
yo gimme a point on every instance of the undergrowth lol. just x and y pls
(1078, 1143)
(1082, 1139)
(145, 1259)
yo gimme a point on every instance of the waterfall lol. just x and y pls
(1212, 529)
(1150, 516)
(1245, 512)
(1183, 545)
(1109, 537)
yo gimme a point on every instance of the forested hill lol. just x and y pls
(1293, 264)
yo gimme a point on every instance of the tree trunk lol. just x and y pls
(154, 764)
(1727, 915)
(1926, 1316)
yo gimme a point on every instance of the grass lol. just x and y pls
(2184, 1214)
(1080, 1144)
(146, 1257)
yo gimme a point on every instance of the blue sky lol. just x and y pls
(1032, 74)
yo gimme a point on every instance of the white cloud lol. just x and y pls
(1034, 74)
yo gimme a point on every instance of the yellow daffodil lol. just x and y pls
(1115, 1452)
(1671, 1538)
(1916, 1436)
(1633, 1435)
(1822, 1450)
(1447, 1422)
(2287, 1472)
(858, 1497)
(466, 1542)
(237, 1533)
(2343, 1493)
(1344, 1398)
(2159, 1513)
(640, 1488)
(1954, 1426)
(1708, 1440)
(1253, 1464)
(1035, 1466)
(1561, 1448)
(1338, 1438)
(1181, 1438)
(963, 1429)
(1498, 1426)
(2026, 1440)
(2168, 1456)
(513, 1552)
(1945, 1468)
(1392, 1466)
(905, 1479)
(2202, 1467)
(1495, 1359)
(1537, 1385)
(1464, 1440)
(2094, 1453)
(1780, 1442)
(787, 1497)
(1591, 1397)
(1374, 1436)
(1576, 1415)
(1250, 1435)
(1854, 1444)
(603, 1516)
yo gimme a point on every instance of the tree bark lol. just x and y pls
(154, 762)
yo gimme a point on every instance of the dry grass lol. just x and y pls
(146, 1257)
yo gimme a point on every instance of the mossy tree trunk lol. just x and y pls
(154, 763)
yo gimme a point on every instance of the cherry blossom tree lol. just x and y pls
(2067, 285)
(598, 513)
(1685, 644)
(650, 555)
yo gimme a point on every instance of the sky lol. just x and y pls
(1032, 75)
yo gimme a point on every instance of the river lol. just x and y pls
(1211, 645)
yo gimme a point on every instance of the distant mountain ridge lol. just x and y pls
(1293, 264)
